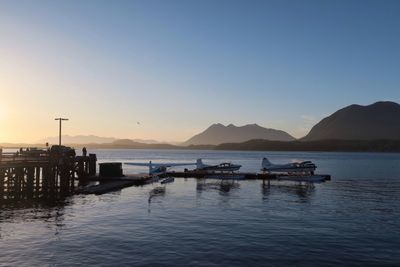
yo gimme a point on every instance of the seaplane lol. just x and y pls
(295, 167)
(156, 169)
(296, 171)
(223, 167)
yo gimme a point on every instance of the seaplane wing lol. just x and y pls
(137, 164)
(158, 168)
(158, 164)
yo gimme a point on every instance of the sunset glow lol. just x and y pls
(107, 67)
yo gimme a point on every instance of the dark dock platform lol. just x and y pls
(245, 175)
(114, 183)
(205, 174)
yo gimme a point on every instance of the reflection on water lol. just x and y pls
(47, 212)
(223, 186)
(304, 191)
(214, 222)
(156, 192)
(32, 210)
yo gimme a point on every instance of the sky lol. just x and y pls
(167, 70)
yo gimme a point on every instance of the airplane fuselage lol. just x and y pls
(223, 167)
(298, 167)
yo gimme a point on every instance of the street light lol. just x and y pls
(59, 135)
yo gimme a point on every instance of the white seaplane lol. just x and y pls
(223, 167)
(156, 169)
(296, 171)
(295, 167)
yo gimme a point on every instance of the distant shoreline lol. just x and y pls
(392, 146)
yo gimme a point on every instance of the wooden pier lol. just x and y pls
(56, 172)
(33, 173)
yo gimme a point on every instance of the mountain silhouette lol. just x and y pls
(380, 120)
(88, 139)
(218, 133)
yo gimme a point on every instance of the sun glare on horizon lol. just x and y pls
(2, 113)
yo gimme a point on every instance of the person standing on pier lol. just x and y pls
(84, 151)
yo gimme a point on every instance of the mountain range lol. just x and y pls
(380, 120)
(90, 139)
(218, 133)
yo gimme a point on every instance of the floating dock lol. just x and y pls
(204, 174)
(246, 175)
(114, 183)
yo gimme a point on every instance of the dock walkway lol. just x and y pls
(204, 174)
(109, 184)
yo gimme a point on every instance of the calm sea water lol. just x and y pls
(353, 220)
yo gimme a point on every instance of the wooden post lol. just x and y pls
(80, 167)
(72, 174)
(8, 174)
(45, 180)
(30, 182)
(18, 182)
(64, 180)
(86, 159)
(2, 181)
(37, 181)
(52, 181)
(92, 164)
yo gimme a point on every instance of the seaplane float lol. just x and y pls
(222, 171)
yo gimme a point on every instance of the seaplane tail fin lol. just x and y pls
(150, 167)
(266, 163)
(199, 164)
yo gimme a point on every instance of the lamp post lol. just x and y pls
(59, 135)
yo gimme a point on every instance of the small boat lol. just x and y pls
(168, 180)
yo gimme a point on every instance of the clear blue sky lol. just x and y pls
(179, 66)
